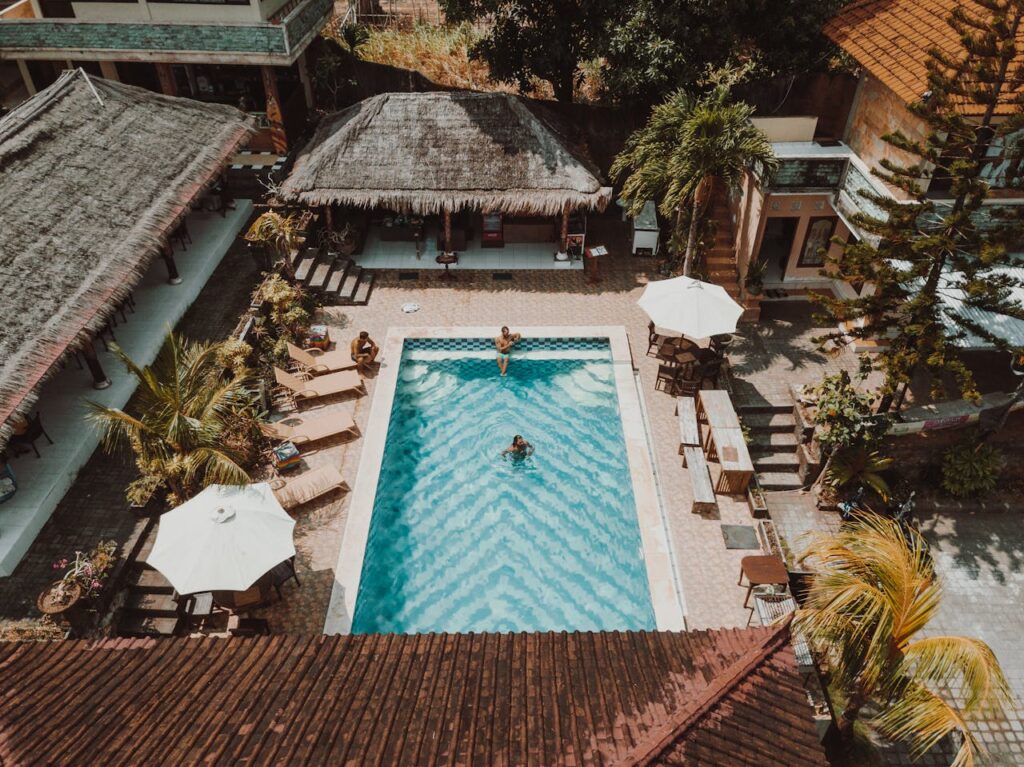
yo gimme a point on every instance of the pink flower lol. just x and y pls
(95, 585)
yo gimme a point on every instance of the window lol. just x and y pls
(817, 240)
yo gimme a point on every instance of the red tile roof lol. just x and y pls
(891, 40)
(717, 698)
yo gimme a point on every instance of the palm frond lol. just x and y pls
(922, 718)
(962, 663)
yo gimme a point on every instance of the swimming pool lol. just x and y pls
(453, 537)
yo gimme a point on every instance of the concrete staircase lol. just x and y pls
(773, 444)
(150, 608)
(338, 280)
(720, 259)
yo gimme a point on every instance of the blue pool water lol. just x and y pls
(464, 540)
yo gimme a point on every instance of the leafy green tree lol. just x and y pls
(543, 39)
(689, 145)
(656, 46)
(184, 430)
(929, 249)
(872, 594)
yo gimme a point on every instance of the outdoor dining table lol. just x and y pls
(725, 441)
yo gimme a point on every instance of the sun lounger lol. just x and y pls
(343, 382)
(296, 491)
(318, 362)
(301, 430)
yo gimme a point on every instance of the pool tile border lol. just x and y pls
(665, 600)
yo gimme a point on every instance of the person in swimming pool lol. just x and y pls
(364, 351)
(519, 448)
(504, 344)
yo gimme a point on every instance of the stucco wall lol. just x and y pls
(804, 207)
(876, 112)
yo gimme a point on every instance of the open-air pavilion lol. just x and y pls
(96, 179)
(469, 172)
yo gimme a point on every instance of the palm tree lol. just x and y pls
(874, 591)
(188, 410)
(689, 146)
(279, 234)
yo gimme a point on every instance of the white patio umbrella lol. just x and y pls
(224, 539)
(690, 307)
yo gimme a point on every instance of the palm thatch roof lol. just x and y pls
(93, 176)
(429, 152)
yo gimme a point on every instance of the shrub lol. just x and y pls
(970, 469)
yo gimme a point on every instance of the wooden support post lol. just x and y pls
(109, 71)
(329, 217)
(563, 239)
(173, 278)
(99, 377)
(447, 231)
(167, 84)
(277, 135)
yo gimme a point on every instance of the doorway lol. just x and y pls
(776, 245)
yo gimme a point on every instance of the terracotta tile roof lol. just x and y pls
(891, 40)
(717, 698)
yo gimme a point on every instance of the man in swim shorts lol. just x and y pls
(364, 351)
(504, 344)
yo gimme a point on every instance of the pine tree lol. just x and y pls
(930, 249)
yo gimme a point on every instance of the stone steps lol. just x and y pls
(336, 279)
(778, 480)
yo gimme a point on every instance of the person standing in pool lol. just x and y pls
(519, 448)
(504, 344)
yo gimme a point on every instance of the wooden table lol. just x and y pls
(730, 448)
(762, 571)
(724, 440)
(715, 407)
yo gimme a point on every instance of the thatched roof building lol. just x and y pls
(431, 152)
(93, 176)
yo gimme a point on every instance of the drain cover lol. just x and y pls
(740, 537)
(502, 276)
(408, 275)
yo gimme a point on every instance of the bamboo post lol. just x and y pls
(329, 218)
(166, 76)
(99, 377)
(447, 231)
(278, 137)
(173, 278)
(563, 239)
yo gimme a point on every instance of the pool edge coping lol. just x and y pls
(661, 582)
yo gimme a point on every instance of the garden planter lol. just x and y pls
(758, 502)
(71, 608)
(809, 456)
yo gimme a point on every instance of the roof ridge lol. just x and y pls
(660, 738)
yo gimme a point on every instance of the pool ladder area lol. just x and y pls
(649, 438)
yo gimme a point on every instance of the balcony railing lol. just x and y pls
(258, 39)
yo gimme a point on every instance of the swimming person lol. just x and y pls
(504, 344)
(519, 448)
(364, 351)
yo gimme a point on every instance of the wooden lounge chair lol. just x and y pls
(318, 362)
(299, 430)
(294, 492)
(343, 382)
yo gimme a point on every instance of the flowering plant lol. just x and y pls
(87, 571)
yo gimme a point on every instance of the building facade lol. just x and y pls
(247, 53)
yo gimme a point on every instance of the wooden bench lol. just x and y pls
(700, 480)
(689, 430)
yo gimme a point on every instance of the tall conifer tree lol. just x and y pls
(931, 249)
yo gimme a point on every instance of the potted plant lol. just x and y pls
(82, 580)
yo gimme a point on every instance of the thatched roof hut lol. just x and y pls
(431, 152)
(93, 176)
